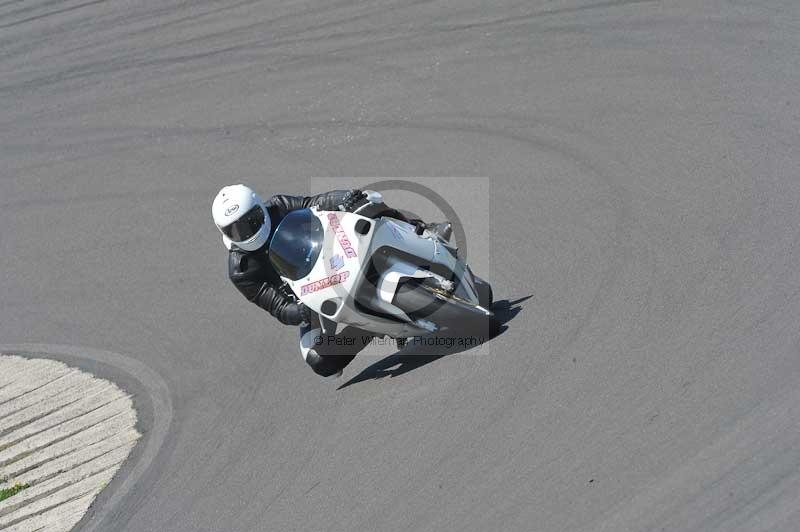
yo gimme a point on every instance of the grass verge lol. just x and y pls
(5, 493)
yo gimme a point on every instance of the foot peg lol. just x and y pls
(427, 325)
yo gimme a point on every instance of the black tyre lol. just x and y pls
(485, 294)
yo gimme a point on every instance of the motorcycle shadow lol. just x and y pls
(405, 360)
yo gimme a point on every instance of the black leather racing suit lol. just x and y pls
(252, 272)
(254, 276)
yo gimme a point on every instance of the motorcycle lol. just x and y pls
(377, 274)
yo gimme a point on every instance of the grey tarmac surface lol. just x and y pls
(644, 191)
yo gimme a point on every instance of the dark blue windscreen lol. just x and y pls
(296, 244)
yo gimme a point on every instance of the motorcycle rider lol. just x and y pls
(247, 224)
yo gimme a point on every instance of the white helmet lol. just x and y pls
(241, 217)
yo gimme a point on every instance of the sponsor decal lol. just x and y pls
(336, 263)
(232, 209)
(341, 236)
(322, 284)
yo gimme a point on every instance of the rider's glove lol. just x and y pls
(305, 314)
(351, 200)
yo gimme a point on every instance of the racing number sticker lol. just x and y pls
(341, 236)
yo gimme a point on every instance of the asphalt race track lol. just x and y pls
(643, 158)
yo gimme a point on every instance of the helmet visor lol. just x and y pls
(246, 226)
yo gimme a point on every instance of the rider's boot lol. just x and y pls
(443, 230)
